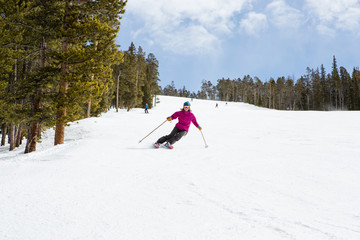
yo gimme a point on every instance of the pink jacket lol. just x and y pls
(185, 118)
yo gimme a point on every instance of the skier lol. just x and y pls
(146, 108)
(181, 128)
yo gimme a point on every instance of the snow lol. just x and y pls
(266, 174)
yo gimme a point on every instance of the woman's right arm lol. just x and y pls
(175, 115)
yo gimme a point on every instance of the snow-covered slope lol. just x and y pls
(266, 175)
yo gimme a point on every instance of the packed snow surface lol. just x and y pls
(266, 174)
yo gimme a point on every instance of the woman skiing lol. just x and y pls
(185, 117)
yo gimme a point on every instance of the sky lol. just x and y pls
(196, 40)
(293, 176)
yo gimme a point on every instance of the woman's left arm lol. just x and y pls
(195, 122)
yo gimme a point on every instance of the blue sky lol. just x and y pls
(196, 40)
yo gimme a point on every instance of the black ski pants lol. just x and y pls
(175, 135)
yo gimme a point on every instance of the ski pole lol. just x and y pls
(204, 139)
(152, 131)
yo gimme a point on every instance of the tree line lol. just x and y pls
(315, 90)
(59, 63)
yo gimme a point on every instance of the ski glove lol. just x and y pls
(168, 118)
(199, 128)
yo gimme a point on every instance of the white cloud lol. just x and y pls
(349, 20)
(254, 23)
(325, 30)
(284, 16)
(335, 15)
(192, 26)
(188, 40)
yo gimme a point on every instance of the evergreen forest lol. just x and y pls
(59, 63)
(315, 90)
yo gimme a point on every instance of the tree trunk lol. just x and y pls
(255, 97)
(270, 98)
(4, 133)
(16, 132)
(64, 84)
(18, 136)
(336, 100)
(12, 136)
(117, 92)
(308, 102)
(92, 79)
(121, 103)
(33, 137)
(61, 113)
(28, 140)
(294, 104)
(88, 109)
(39, 131)
(34, 126)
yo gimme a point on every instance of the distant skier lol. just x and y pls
(186, 117)
(146, 108)
(217, 105)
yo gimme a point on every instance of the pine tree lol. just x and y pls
(170, 90)
(336, 87)
(151, 88)
(41, 21)
(244, 89)
(289, 97)
(354, 90)
(345, 82)
(13, 39)
(207, 89)
(308, 88)
(250, 91)
(300, 94)
(116, 70)
(279, 93)
(270, 92)
(141, 77)
(356, 82)
(258, 92)
(87, 32)
(210, 90)
(128, 80)
(325, 89)
(5, 69)
(317, 90)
